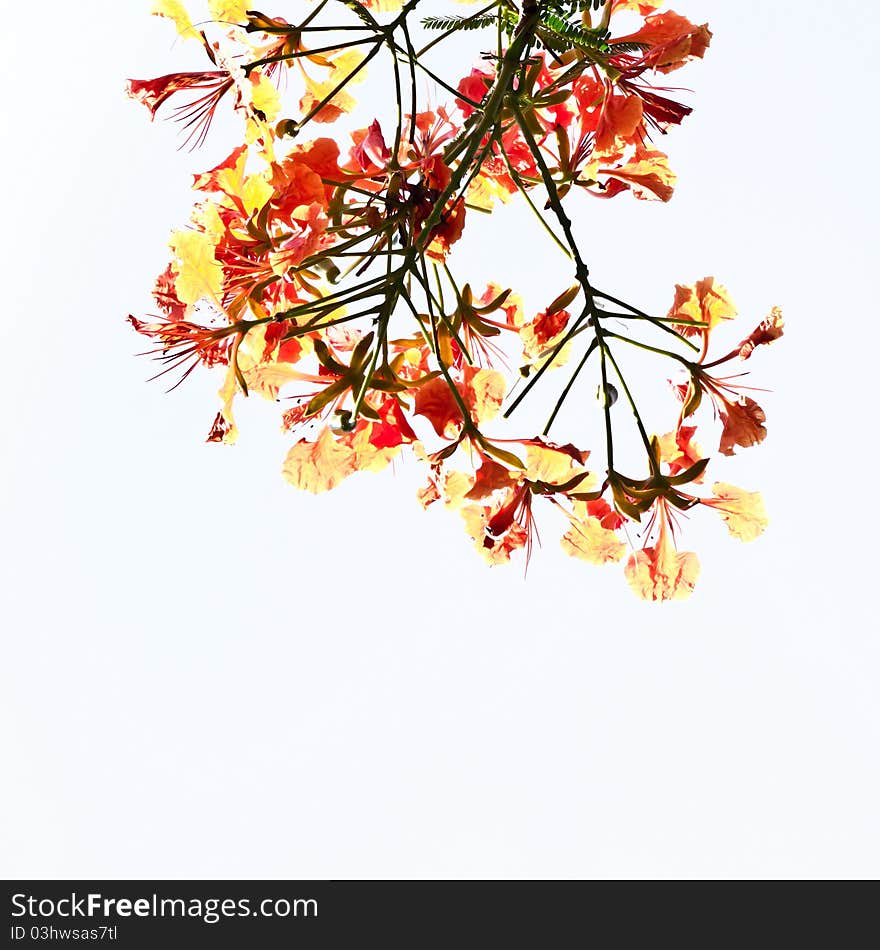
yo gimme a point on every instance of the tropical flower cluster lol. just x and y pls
(318, 269)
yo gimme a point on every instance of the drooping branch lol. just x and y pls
(323, 272)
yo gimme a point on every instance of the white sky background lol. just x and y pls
(208, 674)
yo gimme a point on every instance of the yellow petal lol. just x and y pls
(264, 96)
(662, 575)
(345, 64)
(207, 217)
(715, 302)
(484, 191)
(489, 388)
(544, 464)
(227, 394)
(455, 487)
(227, 177)
(229, 11)
(589, 541)
(319, 466)
(175, 10)
(198, 274)
(255, 193)
(742, 511)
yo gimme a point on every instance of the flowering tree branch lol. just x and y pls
(322, 271)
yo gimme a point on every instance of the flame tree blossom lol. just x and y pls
(319, 269)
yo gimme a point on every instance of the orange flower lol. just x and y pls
(435, 401)
(679, 451)
(296, 184)
(481, 390)
(506, 526)
(620, 119)
(436, 179)
(545, 328)
(743, 421)
(322, 157)
(645, 170)
(741, 417)
(672, 39)
(706, 302)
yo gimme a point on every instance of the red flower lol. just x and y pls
(392, 429)
(501, 528)
(197, 113)
(742, 418)
(182, 342)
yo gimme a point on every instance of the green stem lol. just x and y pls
(282, 57)
(648, 317)
(652, 461)
(652, 349)
(518, 181)
(568, 386)
(581, 272)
